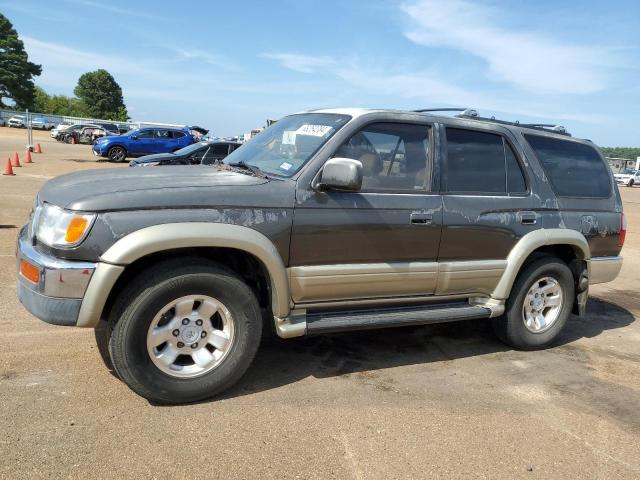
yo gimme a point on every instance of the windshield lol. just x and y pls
(628, 171)
(283, 148)
(190, 149)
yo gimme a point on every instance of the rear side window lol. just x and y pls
(574, 169)
(482, 163)
(176, 134)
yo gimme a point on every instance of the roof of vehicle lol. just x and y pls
(463, 116)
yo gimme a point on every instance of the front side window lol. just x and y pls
(574, 169)
(394, 156)
(284, 147)
(144, 134)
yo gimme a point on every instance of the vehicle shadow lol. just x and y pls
(281, 362)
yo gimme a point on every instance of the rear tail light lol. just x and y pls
(623, 230)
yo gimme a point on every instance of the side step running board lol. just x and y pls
(327, 322)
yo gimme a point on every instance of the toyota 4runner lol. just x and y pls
(328, 221)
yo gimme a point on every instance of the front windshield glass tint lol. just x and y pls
(283, 148)
(628, 171)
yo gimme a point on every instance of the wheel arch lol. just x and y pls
(184, 239)
(560, 242)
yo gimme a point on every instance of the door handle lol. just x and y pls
(421, 218)
(527, 218)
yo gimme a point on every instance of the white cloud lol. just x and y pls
(205, 57)
(107, 7)
(531, 61)
(300, 62)
(424, 88)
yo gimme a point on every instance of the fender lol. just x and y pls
(532, 241)
(169, 236)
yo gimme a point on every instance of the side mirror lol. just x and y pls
(341, 174)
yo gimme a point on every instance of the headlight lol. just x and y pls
(61, 228)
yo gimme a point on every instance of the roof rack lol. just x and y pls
(472, 114)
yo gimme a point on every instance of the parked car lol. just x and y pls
(42, 123)
(143, 141)
(58, 129)
(17, 121)
(311, 229)
(86, 135)
(205, 153)
(65, 134)
(123, 129)
(628, 177)
(111, 127)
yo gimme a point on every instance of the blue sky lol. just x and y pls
(231, 65)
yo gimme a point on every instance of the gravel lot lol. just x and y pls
(446, 401)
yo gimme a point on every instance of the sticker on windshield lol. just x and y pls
(286, 166)
(288, 137)
(314, 130)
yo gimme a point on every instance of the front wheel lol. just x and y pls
(187, 331)
(539, 305)
(630, 184)
(117, 154)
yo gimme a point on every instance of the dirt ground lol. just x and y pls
(446, 401)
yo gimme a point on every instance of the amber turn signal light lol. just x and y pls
(76, 229)
(30, 272)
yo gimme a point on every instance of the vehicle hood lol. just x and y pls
(153, 188)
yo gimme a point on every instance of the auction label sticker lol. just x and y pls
(314, 130)
(286, 166)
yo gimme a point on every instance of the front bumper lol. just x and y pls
(57, 295)
(98, 151)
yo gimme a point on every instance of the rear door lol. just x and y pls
(487, 208)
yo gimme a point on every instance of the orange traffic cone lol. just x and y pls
(16, 161)
(7, 168)
(28, 160)
(38, 149)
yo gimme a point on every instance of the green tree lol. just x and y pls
(41, 101)
(16, 71)
(630, 153)
(101, 95)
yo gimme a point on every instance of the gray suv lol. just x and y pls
(328, 221)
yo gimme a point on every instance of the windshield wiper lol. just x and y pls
(252, 168)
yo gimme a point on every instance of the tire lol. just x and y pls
(630, 184)
(512, 326)
(117, 154)
(138, 362)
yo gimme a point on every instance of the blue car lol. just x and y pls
(142, 141)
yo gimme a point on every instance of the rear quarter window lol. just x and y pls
(574, 169)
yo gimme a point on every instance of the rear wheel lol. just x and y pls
(539, 305)
(117, 154)
(187, 331)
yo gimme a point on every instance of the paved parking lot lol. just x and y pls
(446, 401)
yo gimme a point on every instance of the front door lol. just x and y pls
(379, 242)
(143, 142)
